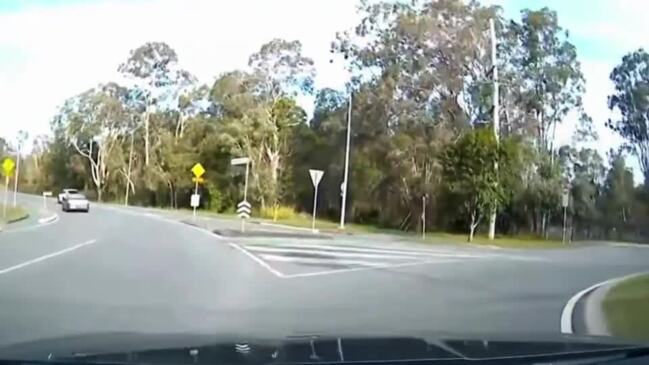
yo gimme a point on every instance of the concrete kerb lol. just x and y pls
(594, 308)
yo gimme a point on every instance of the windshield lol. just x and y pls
(257, 170)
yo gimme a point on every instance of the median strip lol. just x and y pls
(625, 308)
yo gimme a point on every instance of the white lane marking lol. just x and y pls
(48, 256)
(569, 308)
(306, 250)
(379, 267)
(257, 260)
(379, 249)
(634, 245)
(311, 260)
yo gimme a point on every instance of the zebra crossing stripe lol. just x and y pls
(341, 248)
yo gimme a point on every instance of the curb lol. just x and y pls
(567, 325)
(278, 225)
(18, 219)
(49, 219)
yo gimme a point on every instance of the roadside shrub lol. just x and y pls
(278, 212)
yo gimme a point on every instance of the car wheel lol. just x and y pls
(87, 210)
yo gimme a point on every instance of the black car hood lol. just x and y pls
(310, 348)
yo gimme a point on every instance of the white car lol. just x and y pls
(64, 194)
(75, 202)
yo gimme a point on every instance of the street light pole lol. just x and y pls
(346, 173)
(496, 116)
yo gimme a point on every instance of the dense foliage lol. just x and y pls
(421, 107)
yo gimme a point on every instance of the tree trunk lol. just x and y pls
(99, 193)
(472, 226)
(146, 139)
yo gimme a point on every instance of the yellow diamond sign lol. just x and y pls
(198, 170)
(8, 166)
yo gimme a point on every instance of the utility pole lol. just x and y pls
(22, 136)
(345, 184)
(496, 116)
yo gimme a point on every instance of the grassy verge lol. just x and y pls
(327, 226)
(518, 241)
(625, 308)
(13, 214)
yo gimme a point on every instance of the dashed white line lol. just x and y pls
(46, 257)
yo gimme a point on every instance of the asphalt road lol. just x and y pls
(134, 270)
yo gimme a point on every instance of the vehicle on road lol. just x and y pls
(134, 348)
(64, 193)
(75, 202)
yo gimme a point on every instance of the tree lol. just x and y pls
(631, 100)
(468, 171)
(550, 83)
(260, 112)
(93, 123)
(159, 82)
(617, 198)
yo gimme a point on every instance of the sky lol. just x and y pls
(54, 49)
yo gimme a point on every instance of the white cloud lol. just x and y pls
(68, 49)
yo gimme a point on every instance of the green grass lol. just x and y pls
(518, 241)
(13, 214)
(328, 226)
(625, 308)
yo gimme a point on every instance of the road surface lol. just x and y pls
(129, 270)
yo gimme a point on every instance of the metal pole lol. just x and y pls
(315, 204)
(4, 206)
(565, 209)
(44, 202)
(346, 174)
(245, 186)
(423, 217)
(196, 193)
(17, 172)
(496, 115)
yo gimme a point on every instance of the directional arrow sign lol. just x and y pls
(316, 176)
(8, 166)
(198, 170)
(244, 204)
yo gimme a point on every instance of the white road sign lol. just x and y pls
(316, 176)
(47, 193)
(240, 161)
(195, 200)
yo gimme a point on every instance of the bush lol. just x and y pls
(278, 212)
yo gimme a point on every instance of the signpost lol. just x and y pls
(8, 169)
(198, 170)
(316, 176)
(565, 200)
(242, 161)
(45, 195)
(243, 210)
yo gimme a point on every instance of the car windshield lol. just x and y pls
(258, 170)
